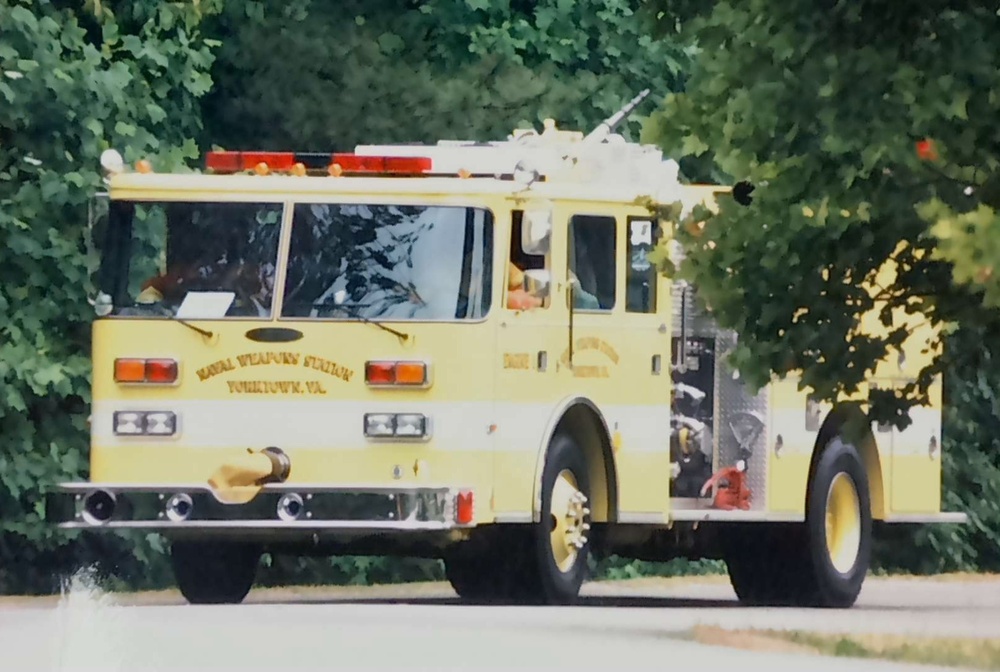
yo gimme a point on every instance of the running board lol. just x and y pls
(736, 515)
(719, 515)
(943, 517)
(700, 509)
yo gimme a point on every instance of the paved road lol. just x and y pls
(616, 627)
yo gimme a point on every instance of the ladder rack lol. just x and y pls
(555, 155)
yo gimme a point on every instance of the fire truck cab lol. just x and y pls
(460, 351)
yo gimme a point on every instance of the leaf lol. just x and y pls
(125, 129)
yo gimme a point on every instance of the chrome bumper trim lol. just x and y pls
(355, 508)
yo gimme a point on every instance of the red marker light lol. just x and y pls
(464, 508)
(354, 163)
(161, 371)
(380, 373)
(234, 162)
(300, 163)
(926, 150)
(274, 160)
(223, 162)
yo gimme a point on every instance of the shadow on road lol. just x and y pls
(605, 602)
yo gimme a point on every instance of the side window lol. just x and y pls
(518, 262)
(592, 254)
(640, 274)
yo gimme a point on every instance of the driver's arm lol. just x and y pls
(517, 298)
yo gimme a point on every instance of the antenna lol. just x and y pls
(608, 125)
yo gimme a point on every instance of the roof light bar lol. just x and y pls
(295, 162)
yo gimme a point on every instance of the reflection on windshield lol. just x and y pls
(195, 259)
(389, 262)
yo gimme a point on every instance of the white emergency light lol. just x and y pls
(112, 161)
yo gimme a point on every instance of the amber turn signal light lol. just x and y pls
(135, 370)
(404, 374)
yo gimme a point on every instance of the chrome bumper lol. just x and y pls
(96, 506)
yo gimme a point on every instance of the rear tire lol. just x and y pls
(839, 522)
(213, 572)
(821, 562)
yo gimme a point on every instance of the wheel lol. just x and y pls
(469, 581)
(214, 572)
(477, 574)
(839, 526)
(819, 563)
(560, 538)
(541, 563)
(766, 563)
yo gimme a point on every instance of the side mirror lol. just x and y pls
(538, 283)
(97, 219)
(95, 234)
(536, 231)
(742, 192)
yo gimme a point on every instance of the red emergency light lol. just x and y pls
(300, 163)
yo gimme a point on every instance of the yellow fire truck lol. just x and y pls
(459, 351)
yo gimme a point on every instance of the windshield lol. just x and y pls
(393, 262)
(191, 259)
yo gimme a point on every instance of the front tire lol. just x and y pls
(212, 572)
(561, 536)
(539, 563)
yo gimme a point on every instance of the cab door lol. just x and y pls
(531, 335)
(620, 353)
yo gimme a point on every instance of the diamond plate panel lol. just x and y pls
(733, 405)
(699, 323)
(741, 422)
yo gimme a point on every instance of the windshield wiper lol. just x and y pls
(158, 309)
(204, 332)
(353, 312)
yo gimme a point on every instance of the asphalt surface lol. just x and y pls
(616, 626)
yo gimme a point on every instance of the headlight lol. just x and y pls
(379, 424)
(163, 423)
(145, 423)
(398, 425)
(411, 424)
(129, 422)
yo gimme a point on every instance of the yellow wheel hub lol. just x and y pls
(843, 523)
(567, 513)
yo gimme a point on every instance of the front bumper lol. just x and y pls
(277, 507)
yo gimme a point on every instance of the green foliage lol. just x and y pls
(821, 105)
(971, 473)
(72, 83)
(969, 240)
(615, 568)
(320, 76)
(357, 570)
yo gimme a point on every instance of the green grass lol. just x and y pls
(969, 653)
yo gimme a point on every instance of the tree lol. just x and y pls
(73, 82)
(868, 130)
(327, 76)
